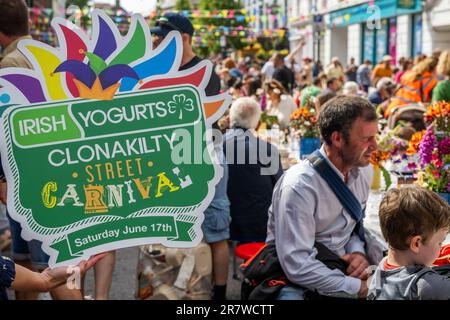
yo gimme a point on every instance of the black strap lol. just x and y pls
(340, 189)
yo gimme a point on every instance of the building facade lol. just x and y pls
(365, 29)
(266, 14)
(306, 24)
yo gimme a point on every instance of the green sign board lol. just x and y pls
(87, 175)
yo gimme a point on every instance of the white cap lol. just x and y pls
(385, 82)
(387, 58)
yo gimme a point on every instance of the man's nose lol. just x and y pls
(374, 144)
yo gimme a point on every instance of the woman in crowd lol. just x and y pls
(280, 103)
(416, 85)
(442, 90)
(406, 65)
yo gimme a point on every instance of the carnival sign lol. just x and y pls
(105, 144)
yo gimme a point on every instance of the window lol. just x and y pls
(416, 35)
(379, 42)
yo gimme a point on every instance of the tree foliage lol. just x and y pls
(183, 5)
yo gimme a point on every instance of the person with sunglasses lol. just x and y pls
(174, 21)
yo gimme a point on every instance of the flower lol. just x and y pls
(427, 145)
(414, 142)
(444, 146)
(439, 114)
(390, 147)
(304, 120)
(433, 148)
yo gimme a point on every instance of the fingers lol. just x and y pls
(359, 271)
(352, 267)
(83, 266)
(357, 264)
(94, 259)
(346, 257)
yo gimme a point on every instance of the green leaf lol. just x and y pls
(387, 177)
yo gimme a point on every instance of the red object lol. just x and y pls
(247, 250)
(444, 256)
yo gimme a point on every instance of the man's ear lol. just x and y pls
(336, 139)
(415, 243)
(186, 38)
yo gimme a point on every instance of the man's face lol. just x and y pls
(335, 86)
(361, 143)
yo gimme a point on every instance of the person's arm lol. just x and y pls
(355, 245)
(295, 51)
(294, 239)
(374, 76)
(27, 280)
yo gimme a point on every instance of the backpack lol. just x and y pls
(264, 277)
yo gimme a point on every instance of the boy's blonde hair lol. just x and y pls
(412, 211)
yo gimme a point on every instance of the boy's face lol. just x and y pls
(428, 252)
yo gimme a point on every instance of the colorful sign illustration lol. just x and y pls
(105, 144)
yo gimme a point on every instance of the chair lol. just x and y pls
(244, 251)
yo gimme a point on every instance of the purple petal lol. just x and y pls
(82, 72)
(29, 86)
(113, 74)
(106, 43)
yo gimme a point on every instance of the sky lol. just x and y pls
(143, 7)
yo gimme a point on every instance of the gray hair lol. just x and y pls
(245, 113)
(351, 88)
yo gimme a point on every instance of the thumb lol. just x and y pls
(346, 257)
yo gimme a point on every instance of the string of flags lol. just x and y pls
(42, 31)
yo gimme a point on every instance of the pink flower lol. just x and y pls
(426, 147)
(444, 146)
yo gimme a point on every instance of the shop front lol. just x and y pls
(372, 28)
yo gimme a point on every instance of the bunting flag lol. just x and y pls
(41, 30)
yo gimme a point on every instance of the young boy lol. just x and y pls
(414, 221)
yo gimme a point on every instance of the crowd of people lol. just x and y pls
(387, 85)
(256, 201)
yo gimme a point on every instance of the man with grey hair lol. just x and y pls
(385, 90)
(245, 113)
(254, 168)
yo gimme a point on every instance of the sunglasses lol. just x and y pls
(168, 25)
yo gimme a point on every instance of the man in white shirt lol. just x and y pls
(305, 210)
(268, 70)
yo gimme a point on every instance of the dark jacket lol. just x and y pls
(250, 183)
